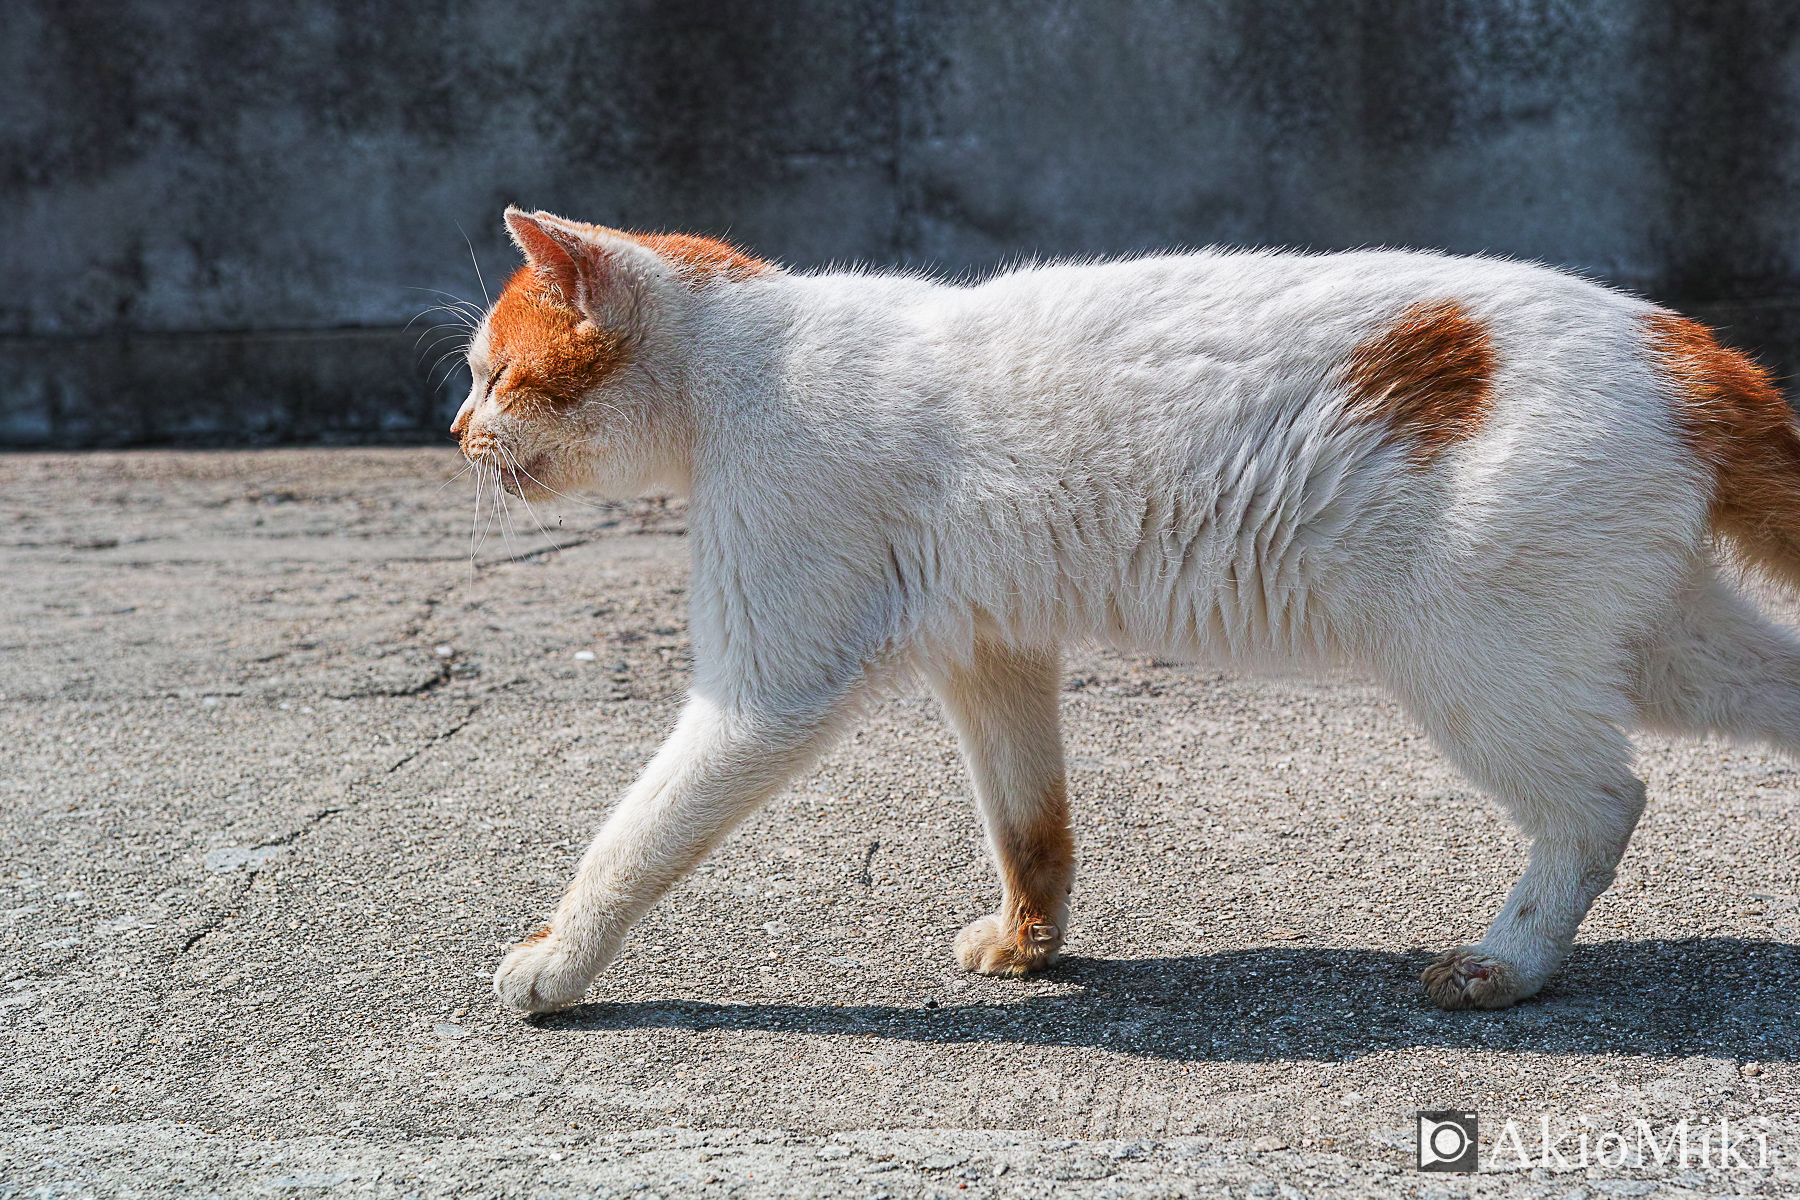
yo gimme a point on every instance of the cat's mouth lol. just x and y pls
(524, 479)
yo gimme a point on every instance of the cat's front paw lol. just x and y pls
(991, 947)
(1468, 978)
(540, 975)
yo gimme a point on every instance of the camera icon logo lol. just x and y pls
(1448, 1141)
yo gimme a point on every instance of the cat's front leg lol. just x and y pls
(1003, 705)
(714, 769)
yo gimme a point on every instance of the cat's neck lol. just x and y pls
(737, 363)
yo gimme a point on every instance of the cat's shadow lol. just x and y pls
(1719, 997)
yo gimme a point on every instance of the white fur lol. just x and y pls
(886, 471)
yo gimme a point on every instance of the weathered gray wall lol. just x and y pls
(217, 217)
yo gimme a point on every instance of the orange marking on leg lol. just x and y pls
(1037, 864)
(533, 939)
(1428, 377)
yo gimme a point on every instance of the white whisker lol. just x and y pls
(474, 525)
(478, 276)
(457, 331)
(571, 499)
(467, 318)
(493, 484)
(460, 347)
(451, 296)
(518, 470)
(450, 356)
(466, 468)
(507, 531)
(437, 341)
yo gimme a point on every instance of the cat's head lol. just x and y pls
(576, 371)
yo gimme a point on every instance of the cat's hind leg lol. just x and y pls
(1717, 665)
(1550, 748)
(1002, 703)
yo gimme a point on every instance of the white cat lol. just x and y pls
(1493, 486)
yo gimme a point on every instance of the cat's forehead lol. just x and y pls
(546, 349)
(527, 311)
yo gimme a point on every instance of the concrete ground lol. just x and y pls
(281, 769)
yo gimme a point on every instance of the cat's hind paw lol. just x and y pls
(1466, 978)
(989, 947)
(539, 975)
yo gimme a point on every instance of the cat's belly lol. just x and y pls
(1272, 579)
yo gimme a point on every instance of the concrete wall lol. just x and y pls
(218, 218)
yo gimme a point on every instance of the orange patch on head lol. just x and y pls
(542, 350)
(700, 260)
(1427, 377)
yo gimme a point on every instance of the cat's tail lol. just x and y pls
(1739, 424)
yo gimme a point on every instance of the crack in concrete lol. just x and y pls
(222, 911)
(868, 872)
(288, 839)
(552, 1086)
(216, 919)
(484, 564)
(435, 740)
(313, 822)
(608, 531)
(432, 683)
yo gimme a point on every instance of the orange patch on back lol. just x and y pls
(1427, 377)
(541, 350)
(699, 260)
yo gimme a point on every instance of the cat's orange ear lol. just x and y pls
(589, 269)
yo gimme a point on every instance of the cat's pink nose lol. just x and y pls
(463, 417)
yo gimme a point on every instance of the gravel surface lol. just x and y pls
(283, 767)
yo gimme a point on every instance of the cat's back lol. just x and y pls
(1230, 344)
(1189, 430)
(1213, 328)
(1238, 305)
(1164, 450)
